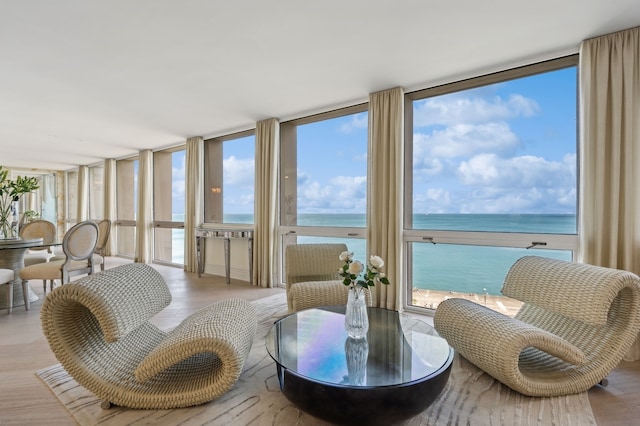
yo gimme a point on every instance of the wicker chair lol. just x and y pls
(98, 328)
(312, 272)
(575, 326)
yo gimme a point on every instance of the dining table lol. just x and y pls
(12, 252)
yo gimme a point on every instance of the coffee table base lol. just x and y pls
(366, 405)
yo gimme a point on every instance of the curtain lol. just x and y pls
(110, 204)
(193, 201)
(83, 194)
(144, 217)
(384, 191)
(266, 202)
(610, 153)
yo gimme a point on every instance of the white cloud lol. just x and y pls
(454, 109)
(343, 194)
(464, 140)
(238, 172)
(358, 121)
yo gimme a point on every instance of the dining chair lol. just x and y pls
(6, 277)
(39, 229)
(78, 246)
(104, 230)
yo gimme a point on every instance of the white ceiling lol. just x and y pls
(85, 80)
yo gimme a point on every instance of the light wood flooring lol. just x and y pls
(25, 400)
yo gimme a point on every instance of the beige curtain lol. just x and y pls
(610, 153)
(144, 217)
(193, 209)
(110, 203)
(384, 190)
(266, 202)
(83, 193)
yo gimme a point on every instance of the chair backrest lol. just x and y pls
(39, 229)
(312, 262)
(104, 229)
(79, 244)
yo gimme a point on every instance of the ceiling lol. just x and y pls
(85, 80)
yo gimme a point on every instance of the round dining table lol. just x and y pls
(12, 253)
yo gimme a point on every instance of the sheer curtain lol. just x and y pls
(610, 152)
(266, 203)
(110, 203)
(144, 217)
(194, 192)
(83, 193)
(385, 189)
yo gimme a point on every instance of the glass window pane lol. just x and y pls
(230, 180)
(441, 271)
(324, 172)
(96, 193)
(500, 157)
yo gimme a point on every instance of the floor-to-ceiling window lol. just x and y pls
(229, 174)
(72, 198)
(323, 179)
(126, 195)
(168, 203)
(96, 192)
(491, 177)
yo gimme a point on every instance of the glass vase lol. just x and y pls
(357, 353)
(356, 321)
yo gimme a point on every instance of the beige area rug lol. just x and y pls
(470, 397)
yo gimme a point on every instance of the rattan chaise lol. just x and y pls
(575, 326)
(98, 328)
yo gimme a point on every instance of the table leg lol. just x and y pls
(14, 259)
(199, 256)
(227, 259)
(250, 245)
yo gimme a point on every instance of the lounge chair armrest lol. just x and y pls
(494, 341)
(225, 328)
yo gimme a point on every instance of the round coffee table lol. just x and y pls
(392, 375)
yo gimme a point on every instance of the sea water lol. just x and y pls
(446, 267)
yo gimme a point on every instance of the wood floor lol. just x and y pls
(25, 400)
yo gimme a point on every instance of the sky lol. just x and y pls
(504, 148)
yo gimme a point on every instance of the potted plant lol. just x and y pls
(10, 193)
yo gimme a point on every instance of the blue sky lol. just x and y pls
(504, 148)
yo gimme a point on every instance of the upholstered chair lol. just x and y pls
(312, 276)
(78, 245)
(39, 229)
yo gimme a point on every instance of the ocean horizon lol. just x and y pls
(445, 267)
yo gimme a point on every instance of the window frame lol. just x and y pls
(535, 241)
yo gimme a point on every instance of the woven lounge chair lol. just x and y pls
(98, 328)
(312, 276)
(575, 326)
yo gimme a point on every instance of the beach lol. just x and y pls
(431, 299)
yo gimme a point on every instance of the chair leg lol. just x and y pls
(44, 286)
(25, 294)
(10, 297)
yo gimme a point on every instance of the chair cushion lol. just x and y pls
(6, 275)
(47, 270)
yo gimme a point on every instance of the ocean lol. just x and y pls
(447, 267)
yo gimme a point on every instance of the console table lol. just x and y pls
(226, 234)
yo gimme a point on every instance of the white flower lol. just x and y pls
(376, 262)
(356, 267)
(346, 255)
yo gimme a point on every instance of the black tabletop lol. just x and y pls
(398, 348)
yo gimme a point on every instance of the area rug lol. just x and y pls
(471, 397)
